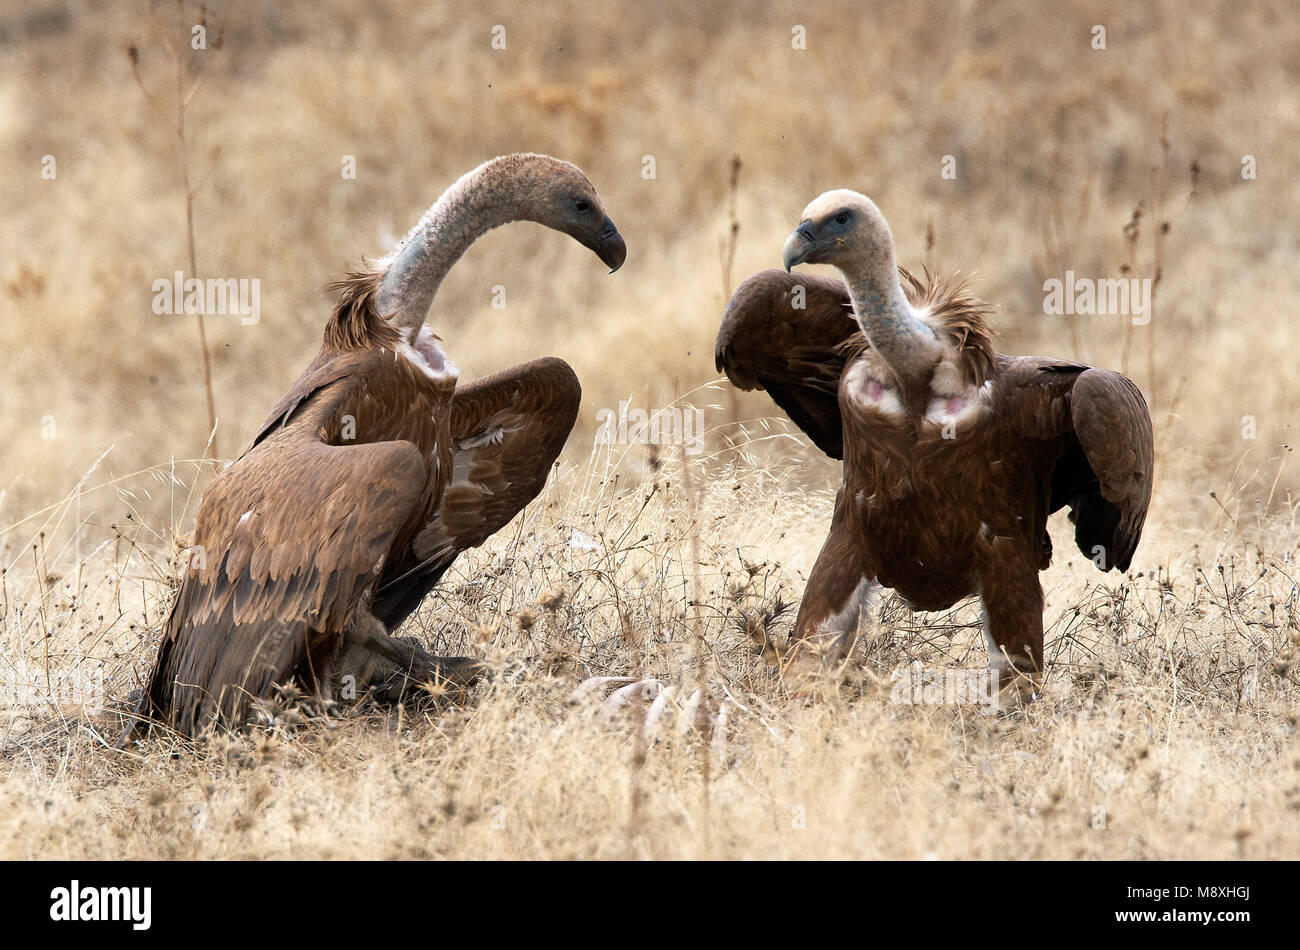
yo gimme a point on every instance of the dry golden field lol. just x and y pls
(1167, 728)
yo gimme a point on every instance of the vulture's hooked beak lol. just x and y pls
(799, 246)
(608, 245)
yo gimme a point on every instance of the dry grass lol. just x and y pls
(1167, 729)
(1168, 724)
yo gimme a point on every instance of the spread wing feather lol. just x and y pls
(796, 354)
(1113, 427)
(507, 430)
(1105, 474)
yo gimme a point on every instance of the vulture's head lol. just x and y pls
(558, 195)
(839, 227)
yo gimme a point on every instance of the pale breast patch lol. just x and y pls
(868, 380)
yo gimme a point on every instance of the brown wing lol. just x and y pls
(1113, 427)
(1105, 473)
(287, 540)
(796, 355)
(325, 369)
(507, 430)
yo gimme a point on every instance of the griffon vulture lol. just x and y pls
(954, 455)
(372, 474)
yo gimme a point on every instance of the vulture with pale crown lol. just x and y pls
(371, 475)
(954, 455)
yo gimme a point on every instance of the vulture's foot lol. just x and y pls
(1018, 685)
(811, 671)
(395, 669)
(1019, 679)
(427, 676)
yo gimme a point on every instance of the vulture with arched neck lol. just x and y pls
(954, 455)
(372, 474)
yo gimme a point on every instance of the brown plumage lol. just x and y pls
(371, 474)
(355, 323)
(954, 455)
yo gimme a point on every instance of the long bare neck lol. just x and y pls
(487, 197)
(905, 342)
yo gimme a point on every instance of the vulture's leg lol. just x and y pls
(394, 667)
(1013, 624)
(317, 671)
(836, 605)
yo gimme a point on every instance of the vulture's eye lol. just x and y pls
(842, 218)
(583, 205)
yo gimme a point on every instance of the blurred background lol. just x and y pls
(1053, 144)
